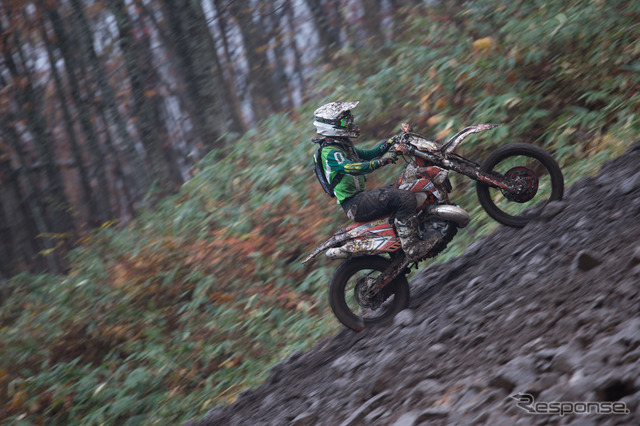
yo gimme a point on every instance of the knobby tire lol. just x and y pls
(399, 288)
(513, 150)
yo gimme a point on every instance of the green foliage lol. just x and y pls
(196, 299)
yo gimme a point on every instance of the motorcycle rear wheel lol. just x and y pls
(347, 302)
(532, 165)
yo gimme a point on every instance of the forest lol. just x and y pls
(106, 105)
(147, 149)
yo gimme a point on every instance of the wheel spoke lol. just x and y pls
(533, 171)
(350, 300)
(530, 172)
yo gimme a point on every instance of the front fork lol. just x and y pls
(395, 268)
(472, 171)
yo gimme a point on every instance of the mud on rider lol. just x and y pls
(344, 167)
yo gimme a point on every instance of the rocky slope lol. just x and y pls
(551, 310)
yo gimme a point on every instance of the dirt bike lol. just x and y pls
(513, 185)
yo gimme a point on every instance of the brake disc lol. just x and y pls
(365, 297)
(527, 182)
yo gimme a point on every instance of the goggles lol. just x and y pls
(346, 121)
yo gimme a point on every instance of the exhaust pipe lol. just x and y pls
(452, 213)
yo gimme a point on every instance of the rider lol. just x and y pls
(345, 164)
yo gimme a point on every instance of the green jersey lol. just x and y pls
(353, 165)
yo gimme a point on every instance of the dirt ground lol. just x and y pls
(550, 312)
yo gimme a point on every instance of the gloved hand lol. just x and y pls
(389, 157)
(388, 144)
(404, 148)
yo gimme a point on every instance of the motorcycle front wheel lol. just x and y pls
(540, 177)
(350, 302)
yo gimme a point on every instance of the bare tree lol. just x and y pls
(83, 35)
(192, 45)
(328, 23)
(265, 97)
(30, 113)
(73, 70)
(372, 22)
(147, 102)
(228, 71)
(97, 205)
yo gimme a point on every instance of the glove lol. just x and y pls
(389, 157)
(404, 148)
(388, 144)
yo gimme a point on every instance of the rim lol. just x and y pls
(528, 182)
(359, 303)
(535, 181)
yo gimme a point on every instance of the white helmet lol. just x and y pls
(335, 119)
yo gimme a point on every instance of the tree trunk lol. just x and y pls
(35, 210)
(17, 244)
(84, 116)
(228, 73)
(276, 20)
(97, 205)
(192, 45)
(83, 35)
(124, 199)
(264, 94)
(57, 208)
(372, 22)
(146, 100)
(327, 25)
(298, 67)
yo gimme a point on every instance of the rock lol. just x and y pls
(357, 416)
(635, 258)
(213, 416)
(376, 415)
(518, 371)
(566, 360)
(632, 401)
(305, 419)
(541, 383)
(614, 386)
(552, 209)
(630, 184)
(446, 333)
(629, 334)
(431, 414)
(407, 419)
(473, 283)
(604, 351)
(529, 278)
(480, 418)
(347, 363)
(425, 392)
(585, 261)
(404, 318)
(477, 339)
(437, 348)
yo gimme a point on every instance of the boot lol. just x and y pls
(409, 235)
